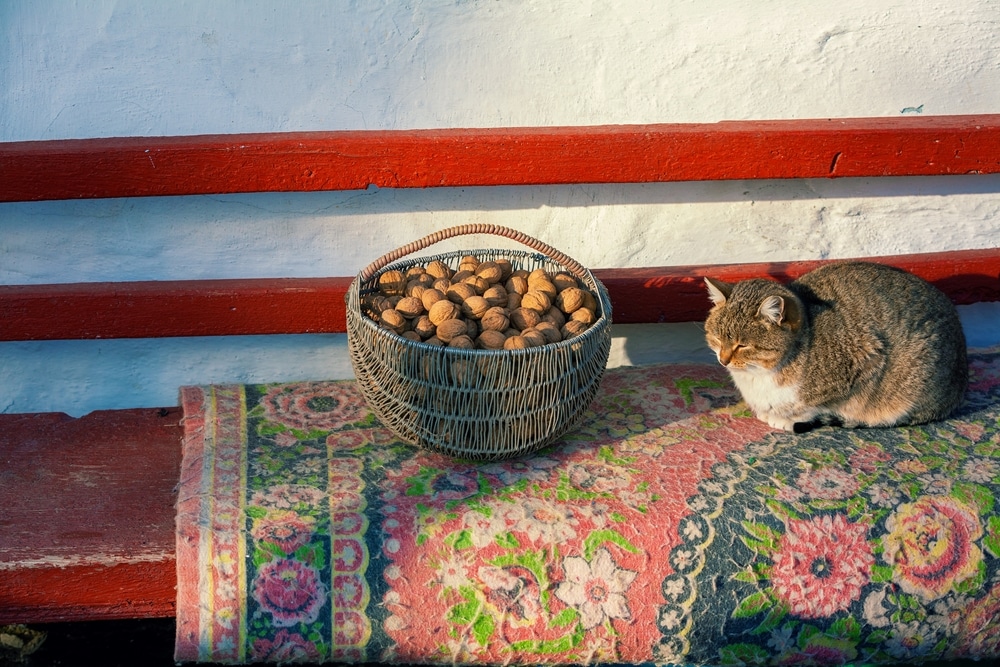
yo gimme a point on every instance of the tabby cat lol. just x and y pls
(854, 343)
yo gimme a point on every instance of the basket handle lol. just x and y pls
(571, 264)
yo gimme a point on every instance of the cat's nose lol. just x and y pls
(725, 357)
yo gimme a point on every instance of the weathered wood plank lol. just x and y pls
(316, 305)
(87, 528)
(89, 592)
(349, 160)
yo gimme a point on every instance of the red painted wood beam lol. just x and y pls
(349, 160)
(316, 305)
(677, 294)
(87, 527)
(173, 308)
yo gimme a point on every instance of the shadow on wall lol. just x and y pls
(501, 198)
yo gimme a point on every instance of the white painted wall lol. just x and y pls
(130, 67)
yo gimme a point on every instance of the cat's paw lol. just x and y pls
(782, 423)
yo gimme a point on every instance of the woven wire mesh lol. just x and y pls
(477, 404)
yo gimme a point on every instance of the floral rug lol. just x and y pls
(671, 526)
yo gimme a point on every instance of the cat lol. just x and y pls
(852, 343)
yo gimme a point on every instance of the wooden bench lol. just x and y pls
(87, 527)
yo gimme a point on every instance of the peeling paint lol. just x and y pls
(90, 560)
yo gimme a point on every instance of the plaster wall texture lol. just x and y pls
(133, 68)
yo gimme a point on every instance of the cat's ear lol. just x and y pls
(772, 309)
(781, 311)
(718, 291)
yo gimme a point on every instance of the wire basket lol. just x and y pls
(471, 403)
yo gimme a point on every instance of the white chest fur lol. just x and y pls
(777, 404)
(761, 391)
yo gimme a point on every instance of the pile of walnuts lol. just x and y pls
(485, 304)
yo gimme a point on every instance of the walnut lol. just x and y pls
(424, 327)
(410, 307)
(515, 343)
(468, 263)
(392, 283)
(572, 329)
(584, 315)
(415, 288)
(496, 295)
(459, 292)
(542, 285)
(549, 330)
(393, 320)
(478, 283)
(534, 337)
(471, 327)
(462, 371)
(564, 280)
(463, 342)
(516, 285)
(431, 296)
(555, 316)
(537, 274)
(491, 340)
(536, 301)
(495, 319)
(439, 269)
(506, 268)
(570, 300)
(490, 272)
(450, 329)
(443, 310)
(475, 307)
(524, 318)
